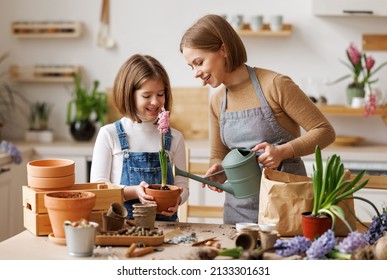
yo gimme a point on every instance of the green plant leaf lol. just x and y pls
(327, 211)
(338, 211)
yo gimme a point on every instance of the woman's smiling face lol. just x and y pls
(207, 66)
(149, 99)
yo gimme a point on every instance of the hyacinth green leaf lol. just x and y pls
(379, 67)
(163, 166)
(339, 212)
(325, 187)
(327, 211)
(317, 180)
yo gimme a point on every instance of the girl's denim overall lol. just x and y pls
(142, 166)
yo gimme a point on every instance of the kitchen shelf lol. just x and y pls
(43, 73)
(341, 110)
(265, 31)
(46, 29)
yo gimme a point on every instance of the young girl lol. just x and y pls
(126, 152)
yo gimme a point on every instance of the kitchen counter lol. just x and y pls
(363, 153)
(26, 246)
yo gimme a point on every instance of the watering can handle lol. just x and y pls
(213, 174)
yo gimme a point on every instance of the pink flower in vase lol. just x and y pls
(163, 122)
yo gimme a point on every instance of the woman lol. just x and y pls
(126, 152)
(257, 109)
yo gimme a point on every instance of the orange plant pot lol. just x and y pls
(313, 227)
(50, 168)
(163, 198)
(68, 206)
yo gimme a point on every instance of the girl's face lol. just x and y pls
(149, 99)
(207, 66)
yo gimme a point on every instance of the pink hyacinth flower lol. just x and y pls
(370, 107)
(163, 121)
(354, 54)
(369, 62)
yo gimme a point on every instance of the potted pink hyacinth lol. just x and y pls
(163, 122)
(164, 195)
(362, 71)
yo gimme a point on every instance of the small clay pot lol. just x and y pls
(112, 223)
(246, 240)
(68, 206)
(163, 198)
(145, 215)
(117, 210)
(268, 239)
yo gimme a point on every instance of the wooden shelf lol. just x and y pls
(246, 31)
(341, 110)
(46, 29)
(43, 73)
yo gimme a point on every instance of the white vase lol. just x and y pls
(40, 136)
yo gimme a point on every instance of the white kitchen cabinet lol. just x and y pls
(80, 165)
(5, 202)
(79, 152)
(349, 7)
(12, 178)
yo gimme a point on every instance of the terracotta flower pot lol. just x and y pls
(49, 168)
(163, 198)
(54, 183)
(313, 227)
(68, 206)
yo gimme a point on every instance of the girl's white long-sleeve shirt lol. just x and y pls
(142, 137)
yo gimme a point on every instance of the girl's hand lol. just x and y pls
(142, 196)
(173, 210)
(219, 178)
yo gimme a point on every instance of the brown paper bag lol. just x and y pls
(284, 197)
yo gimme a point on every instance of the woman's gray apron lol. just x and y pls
(142, 166)
(246, 129)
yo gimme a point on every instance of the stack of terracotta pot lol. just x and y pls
(56, 177)
(51, 174)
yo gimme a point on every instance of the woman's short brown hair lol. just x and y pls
(210, 33)
(132, 74)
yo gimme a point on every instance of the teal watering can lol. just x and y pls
(242, 171)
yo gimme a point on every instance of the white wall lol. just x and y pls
(311, 54)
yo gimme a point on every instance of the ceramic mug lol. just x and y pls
(237, 21)
(276, 23)
(256, 22)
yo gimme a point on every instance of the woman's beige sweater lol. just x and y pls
(291, 107)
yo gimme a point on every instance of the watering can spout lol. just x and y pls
(242, 171)
(224, 187)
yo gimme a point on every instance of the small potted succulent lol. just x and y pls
(39, 116)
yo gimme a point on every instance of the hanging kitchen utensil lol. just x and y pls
(104, 38)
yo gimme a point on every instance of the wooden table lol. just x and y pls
(27, 246)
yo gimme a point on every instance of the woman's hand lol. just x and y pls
(219, 178)
(273, 155)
